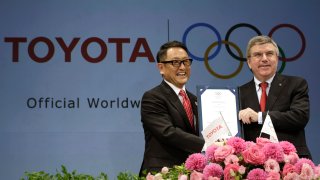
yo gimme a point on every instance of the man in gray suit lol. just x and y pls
(287, 99)
(171, 131)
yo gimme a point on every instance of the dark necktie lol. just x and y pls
(263, 99)
(187, 106)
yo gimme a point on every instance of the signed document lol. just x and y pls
(218, 113)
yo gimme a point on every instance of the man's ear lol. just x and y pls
(248, 63)
(160, 67)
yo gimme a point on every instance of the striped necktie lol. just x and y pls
(187, 106)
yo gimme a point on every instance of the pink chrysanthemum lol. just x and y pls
(196, 161)
(287, 147)
(257, 174)
(210, 152)
(237, 143)
(271, 165)
(274, 151)
(212, 170)
(300, 163)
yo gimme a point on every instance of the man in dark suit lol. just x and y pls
(287, 99)
(171, 132)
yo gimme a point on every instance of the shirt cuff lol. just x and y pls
(260, 118)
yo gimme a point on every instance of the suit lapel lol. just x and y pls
(254, 101)
(175, 101)
(276, 87)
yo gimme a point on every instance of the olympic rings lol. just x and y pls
(228, 35)
(303, 46)
(240, 58)
(184, 39)
(283, 64)
(206, 61)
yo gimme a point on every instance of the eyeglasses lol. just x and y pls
(177, 63)
(259, 55)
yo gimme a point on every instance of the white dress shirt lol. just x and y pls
(259, 92)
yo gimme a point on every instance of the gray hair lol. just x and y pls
(258, 40)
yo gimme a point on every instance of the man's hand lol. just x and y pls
(248, 116)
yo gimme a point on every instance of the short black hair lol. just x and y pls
(162, 53)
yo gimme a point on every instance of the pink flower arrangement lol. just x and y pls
(238, 159)
(254, 161)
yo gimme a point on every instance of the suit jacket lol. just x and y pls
(169, 137)
(288, 106)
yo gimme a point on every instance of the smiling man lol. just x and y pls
(169, 113)
(284, 98)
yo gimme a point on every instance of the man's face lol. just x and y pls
(263, 61)
(178, 76)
